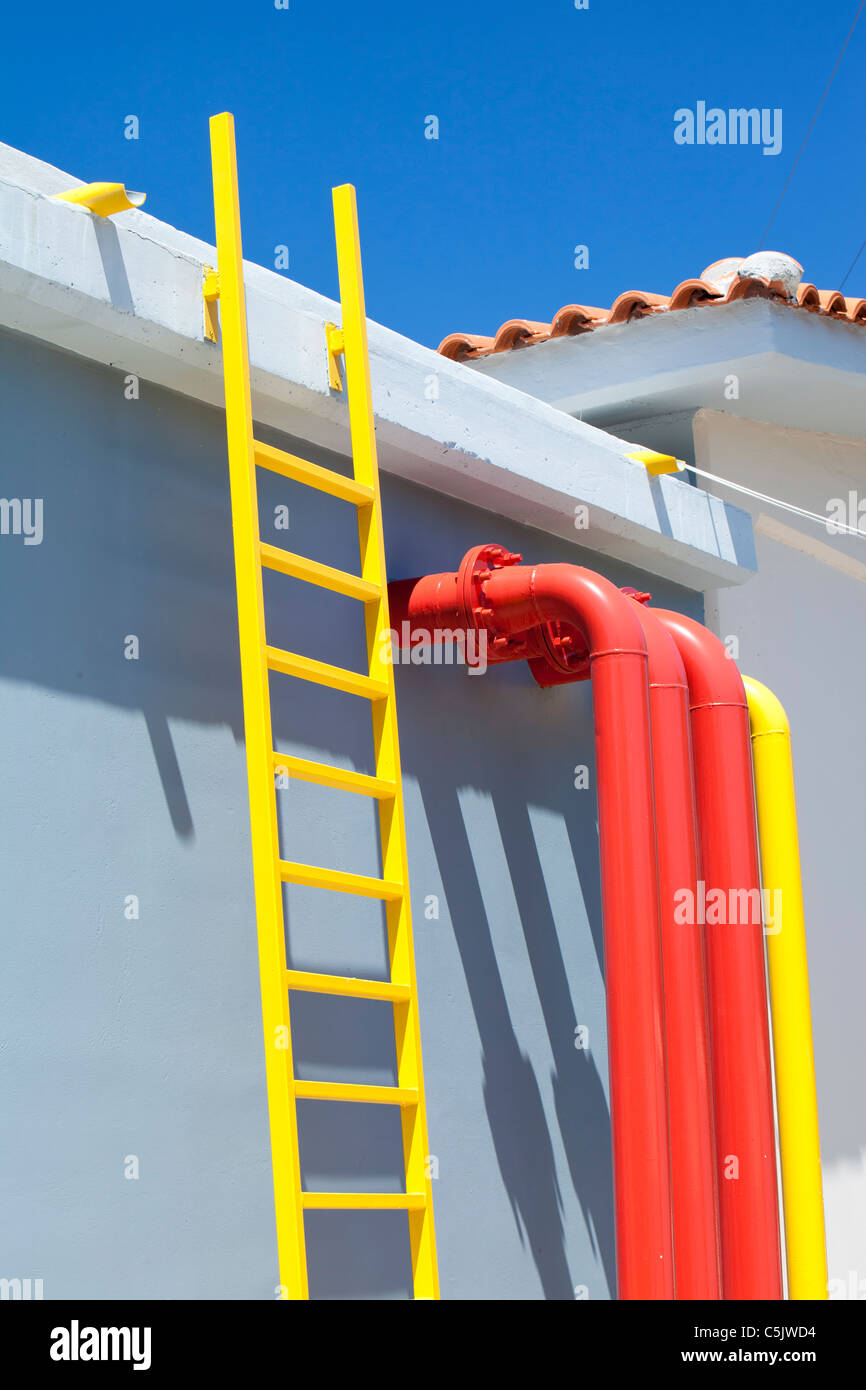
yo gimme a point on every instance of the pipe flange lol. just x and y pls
(476, 568)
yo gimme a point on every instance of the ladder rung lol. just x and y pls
(297, 567)
(312, 876)
(348, 986)
(363, 1201)
(338, 777)
(344, 1090)
(302, 471)
(320, 673)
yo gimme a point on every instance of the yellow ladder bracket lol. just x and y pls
(258, 659)
(210, 293)
(335, 344)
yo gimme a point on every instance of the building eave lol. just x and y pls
(127, 293)
(759, 359)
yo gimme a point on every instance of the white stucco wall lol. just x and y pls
(800, 628)
(141, 1036)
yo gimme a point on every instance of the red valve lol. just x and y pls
(441, 604)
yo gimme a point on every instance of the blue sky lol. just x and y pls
(555, 130)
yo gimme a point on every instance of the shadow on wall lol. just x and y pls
(515, 1111)
(137, 542)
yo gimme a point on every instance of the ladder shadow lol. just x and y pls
(170, 776)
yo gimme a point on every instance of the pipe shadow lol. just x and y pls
(512, 1099)
(581, 826)
(581, 1106)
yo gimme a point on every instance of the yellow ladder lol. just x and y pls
(270, 870)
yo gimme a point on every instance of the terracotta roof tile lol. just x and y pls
(766, 275)
(520, 333)
(689, 292)
(576, 318)
(832, 302)
(636, 304)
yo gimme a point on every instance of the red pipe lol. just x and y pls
(580, 614)
(690, 1110)
(745, 1139)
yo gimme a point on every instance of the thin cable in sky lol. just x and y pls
(852, 265)
(811, 124)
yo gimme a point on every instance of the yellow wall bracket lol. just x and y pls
(210, 292)
(105, 199)
(788, 970)
(335, 346)
(657, 463)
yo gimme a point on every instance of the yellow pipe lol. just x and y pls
(788, 968)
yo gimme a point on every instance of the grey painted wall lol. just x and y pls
(798, 625)
(143, 1037)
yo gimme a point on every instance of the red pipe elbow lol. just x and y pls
(693, 1187)
(611, 628)
(521, 608)
(659, 824)
(745, 1138)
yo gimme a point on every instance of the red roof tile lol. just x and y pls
(723, 282)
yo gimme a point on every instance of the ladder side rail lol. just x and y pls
(386, 742)
(264, 825)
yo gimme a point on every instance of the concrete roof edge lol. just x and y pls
(793, 364)
(127, 292)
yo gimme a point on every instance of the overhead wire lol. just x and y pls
(811, 126)
(826, 521)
